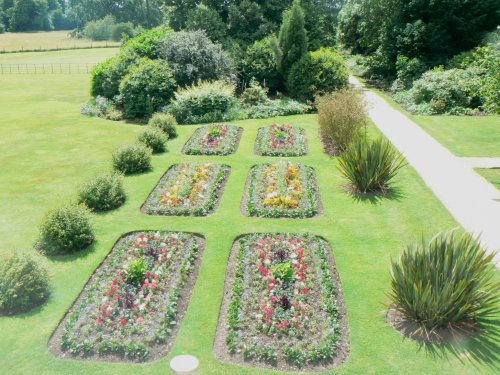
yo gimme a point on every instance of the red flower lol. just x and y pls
(270, 286)
(115, 282)
(305, 290)
(124, 321)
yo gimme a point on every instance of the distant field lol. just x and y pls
(46, 40)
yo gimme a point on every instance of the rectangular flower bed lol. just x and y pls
(282, 189)
(187, 189)
(131, 306)
(283, 303)
(281, 140)
(217, 139)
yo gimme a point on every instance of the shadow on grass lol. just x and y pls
(79, 254)
(482, 348)
(393, 194)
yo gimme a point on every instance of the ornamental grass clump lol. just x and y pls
(103, 192)
(448, 282)
(154, 138)
(65, 230)
(132, 158)
(370, 166)
(165, 122)
(342, 116)
(24, 284)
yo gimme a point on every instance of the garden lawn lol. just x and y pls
(491, 174)
(44, 40)
(86, 56)
(47, 149)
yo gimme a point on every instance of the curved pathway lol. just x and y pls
(473, 201)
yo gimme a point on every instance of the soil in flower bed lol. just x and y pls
(283, 305)
(188, 189)
(281, 140)
(217, 139)
(131, 308)
(282, 189)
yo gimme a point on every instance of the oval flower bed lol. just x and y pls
(218, 139)
(187, 189)
(281, 140)
(282, 189)
(131, 306)
(283, 304)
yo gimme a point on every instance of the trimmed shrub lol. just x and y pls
(342, 116)
(278, 107)
(370, 166)
(146, 44)
(103, 192)
(261, 63)
(106, 76)
(24, 284)
(487, 61)
(192, 56)
(449, 281)
(65, 230)
(132, 158)
(205, 102)
(154, 138)
(438, 91)
(318, 72)
(148, 87)
(166, 122)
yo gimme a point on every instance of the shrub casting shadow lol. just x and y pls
(482, 347)
(64, 258)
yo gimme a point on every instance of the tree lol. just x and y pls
(246, 22)
(432, 31)
(30, 15)
(207, 19)
(292, 37)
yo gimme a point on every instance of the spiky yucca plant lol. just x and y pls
(447, 282)
(370, 166)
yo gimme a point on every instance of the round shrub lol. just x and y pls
(449, 281)
(103, 192)
(205, 102)
(122, 29)
(317, 72)
(148, 87)
(105, 77)
(132, 158)
(24, 284)
(66, 229)
(370, 166)
(192, 56)
(166, 122)
(154, 138)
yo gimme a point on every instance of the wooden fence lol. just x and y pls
(63, 68)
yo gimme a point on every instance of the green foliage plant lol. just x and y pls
(154, 138)
(103, 192)
(132, 158)
(449, 281)
(65, 230)
(166, 122)
(370, 167)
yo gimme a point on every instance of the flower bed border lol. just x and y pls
(220, 347)
(157, 351)
(295, 215)
(186, 149)
(280, 153)
(221, 181)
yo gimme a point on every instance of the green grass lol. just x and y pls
(43, 40)
(88, 56)
(463, 135)
(491, 174)
(48, 149)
